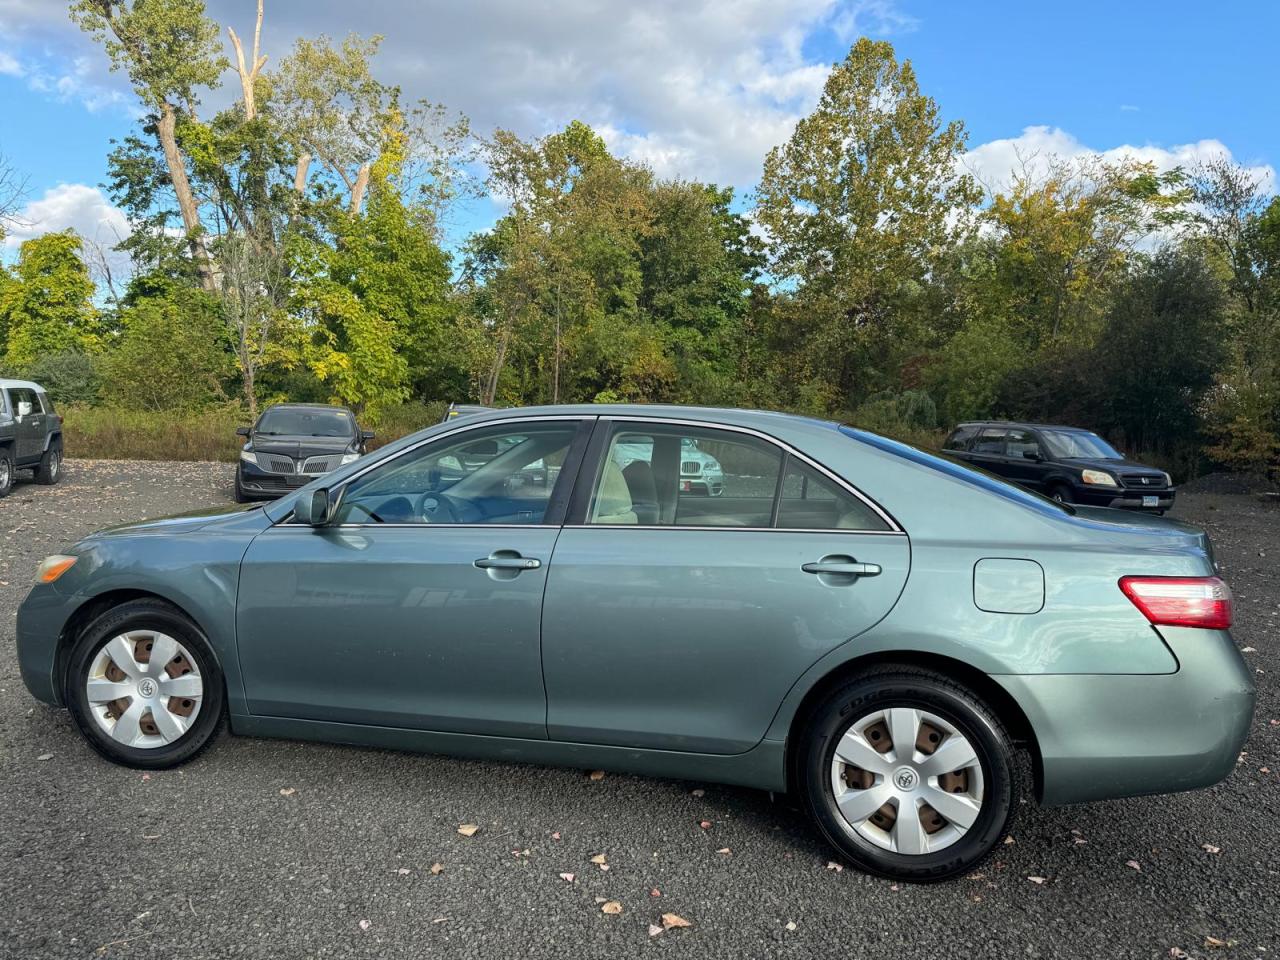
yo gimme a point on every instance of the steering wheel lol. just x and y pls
(437, 508)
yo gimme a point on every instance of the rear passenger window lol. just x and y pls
(959, 438)
(685, 476)
(812, 501)
(990, 441)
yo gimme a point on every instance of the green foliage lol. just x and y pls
(72, 376)
(47, 307)
(172, 354)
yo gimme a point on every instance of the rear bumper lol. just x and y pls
(1123, 735)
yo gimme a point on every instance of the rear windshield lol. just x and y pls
(959, 471)
(296, 422)
(1078, 444)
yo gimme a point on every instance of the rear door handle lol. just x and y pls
(847, 568)
(505, 560)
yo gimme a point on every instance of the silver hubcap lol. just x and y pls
(4, 474)
(144, 689)
(55, 461)
(907, 780)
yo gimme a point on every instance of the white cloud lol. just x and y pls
(78, 207)
(995, 162)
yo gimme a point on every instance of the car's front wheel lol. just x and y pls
(144, 686)
(908, 774)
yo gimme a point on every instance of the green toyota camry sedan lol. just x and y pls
(876, 630)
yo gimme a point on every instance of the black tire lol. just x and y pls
(49, 470)
(891, 686)
(146, 614)
(241, 496)
(6, 472)
(1062, 493)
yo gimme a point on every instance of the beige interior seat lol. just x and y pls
(613, 502)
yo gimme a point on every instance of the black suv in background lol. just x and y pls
(292, 444)
(1069, 464)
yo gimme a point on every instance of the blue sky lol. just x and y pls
(702, 88)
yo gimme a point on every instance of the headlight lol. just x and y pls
(349, 458)
(1099, 477)
(248, 456)
(51, 568)
(1168, 480)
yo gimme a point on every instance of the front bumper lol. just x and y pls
(257, 482)
(42, 616)
(1123, 735)
(1124, 498)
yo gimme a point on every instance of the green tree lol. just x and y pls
(48, 307)
(172, 353)
(859, 205)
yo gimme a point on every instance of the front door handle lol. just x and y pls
(847, 567)
(507, 560)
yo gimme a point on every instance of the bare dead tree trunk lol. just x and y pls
(166, 131)
(357, 192)
(500, 358)
(300, 173)
(249, 75)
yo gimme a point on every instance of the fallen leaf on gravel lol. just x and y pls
(611, 907)
(1008, 840)
(1133, 864)
(701, 793)
(654, 929)
(895, 888)
(705, 824)
(599, 859)
(287, 791)
(1248, 650)
(440, 920)
(671, 921)
(791, 925)
(837, 867)
(1039, 881)
(45, 756)
(365, 924)
(556, 835)
(1178, 953)
(437, 869)
(403, 871)
(1210, 848)
(1215, 943)
(596, 775)
(724, 851)
(567, 877)
(468, 829)
(655, 892)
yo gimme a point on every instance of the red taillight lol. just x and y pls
(1181, 601)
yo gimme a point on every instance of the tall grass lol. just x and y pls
(108, 433)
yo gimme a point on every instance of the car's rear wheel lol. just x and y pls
(6, 473)
(144, 686)
(50, 469)
(908, 774)
(1062, 493)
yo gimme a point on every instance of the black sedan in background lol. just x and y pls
(1069, 464)
(293, 443)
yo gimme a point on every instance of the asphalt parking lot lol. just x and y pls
(275, 849)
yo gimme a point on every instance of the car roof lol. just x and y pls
(711, 415)
(1023, 423)
(20, 384)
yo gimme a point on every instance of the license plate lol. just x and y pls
(1151, 501)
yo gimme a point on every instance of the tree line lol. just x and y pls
(290, 246)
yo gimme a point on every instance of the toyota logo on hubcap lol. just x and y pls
(147, 687)
(906, 779)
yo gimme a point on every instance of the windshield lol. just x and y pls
(1078, 445)
(960, 471)
(299, 422)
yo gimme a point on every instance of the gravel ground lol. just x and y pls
(275, 849)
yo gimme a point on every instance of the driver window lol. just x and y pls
(502, 474)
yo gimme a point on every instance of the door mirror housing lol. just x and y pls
(1032, 455)
(242, 431)
(317, 508)
(366, 436)
(24, 409)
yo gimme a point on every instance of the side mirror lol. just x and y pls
(242, 431)
(1032, 455)
(316, 508)
(366, 436)
(24, 408)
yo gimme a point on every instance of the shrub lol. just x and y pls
(69, 377)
